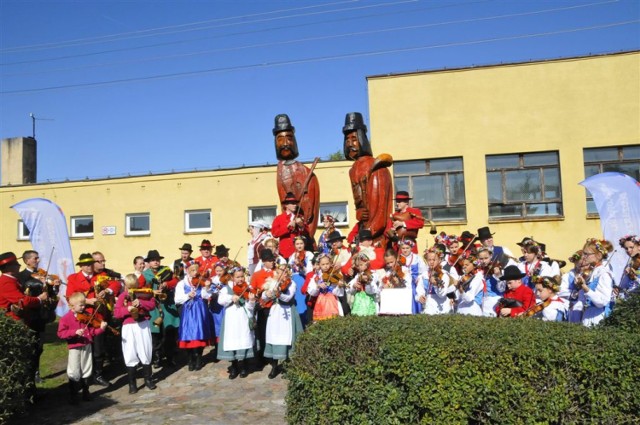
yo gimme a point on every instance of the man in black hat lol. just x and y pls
(339, 254)
(292, 174)
(499, 255)
(519, 294)
(370, 179)
(165, 319)
(406, 221)
(222, 252)
(182, 263)
(288, 225)
(206, 261)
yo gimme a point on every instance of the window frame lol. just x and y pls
(600, 165)
(251, 208)
(427, 211)
(522, 204)
(127, 224)
(72, 221)
(189, 230)
(344, 204)
(21, 234)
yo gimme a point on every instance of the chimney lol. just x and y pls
(18, 161)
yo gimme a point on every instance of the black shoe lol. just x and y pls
(99, 380)
(131, 376)
(86, 395)
(242, 365)
(147, 377)
(192, 360)
(274, 370)
(73, 392)
(170, 362)
(38, 379)
(198, 363)
(233, 370)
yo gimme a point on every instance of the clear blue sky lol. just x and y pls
(234, 65)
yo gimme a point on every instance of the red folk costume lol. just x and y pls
(280, 229)
(292, 174)
(524, 294)
(370, 179)
(11, 294)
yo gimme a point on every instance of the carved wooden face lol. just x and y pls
(286, 145)
(352, 146)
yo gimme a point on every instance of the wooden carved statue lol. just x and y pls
(370, 179)
(292, 174)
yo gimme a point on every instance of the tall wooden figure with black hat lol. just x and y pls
(370, 179)
(292, 174)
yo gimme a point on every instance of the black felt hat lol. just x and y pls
(222, 251)
(526, 240)
(282, 123)
(335, 236)
(365, 235)
(85, 260)
(153, 255)
(289, 198)
(267, 255)
(9, 258)
(186, 247)
(484, 233)
(512, 273)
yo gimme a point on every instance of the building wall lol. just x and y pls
(560, 105)
(228, 193)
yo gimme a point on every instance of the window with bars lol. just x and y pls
(436, 186)
(621, 159)
(524, 185)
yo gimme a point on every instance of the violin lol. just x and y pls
(243, 290)
(437, 274)
(633, 268)
(49, 279)
(200, 279)
(465, 282)
(94, 322)
(583, 276)
(332, 278)
(396, 277)
(537, 308)
(365, 278)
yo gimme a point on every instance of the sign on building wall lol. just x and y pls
(108, 230)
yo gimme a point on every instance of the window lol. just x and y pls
(197, 221)
(622, 159)
(524, 185)
(436, 186)
(338, 210)
(266, 214)
(82, 226)
(23, 232)
(137, 224)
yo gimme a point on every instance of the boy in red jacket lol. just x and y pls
(515, 291)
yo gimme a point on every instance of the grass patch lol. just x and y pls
(53, 362)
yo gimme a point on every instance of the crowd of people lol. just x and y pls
(252, 315)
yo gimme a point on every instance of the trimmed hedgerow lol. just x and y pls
(626, 314)
(459, 369)
(16, 348)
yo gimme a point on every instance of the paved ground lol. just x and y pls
(202, 397)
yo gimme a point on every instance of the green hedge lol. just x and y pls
(16, 347)
(460, 369)
(625, 314)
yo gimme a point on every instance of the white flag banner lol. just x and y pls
(617, 198)
(49, 236)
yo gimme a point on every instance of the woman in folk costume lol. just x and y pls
(495, 287)
(396, 295)
(364, 286)
(219, 281)
(327, 286)
(570, 289)
(328, 222)
(196, 324)
(551, 307)
(471, 287)
(596, 282)
(436, 290)
(283, 323)
(416, 266)
(532, 265)
(133, 307)
(630, 281)
(300, 263)
(236, 335)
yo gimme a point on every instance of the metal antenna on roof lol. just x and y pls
(33, 122)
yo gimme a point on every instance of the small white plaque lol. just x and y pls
(108, 230)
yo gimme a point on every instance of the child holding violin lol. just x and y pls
(630, 281)
(236, 335)
(133, 307)
(494, 286)
(596, 285)
(416, 266)
(220, 279)
(551, 307)
(435, 289)
(569, 289)
(471, 287)
(196, 324)
(78, 330)
(532, 265)
(327, 285)
(300, 263)
(364, 287)
(283, 324)
(396, 295)
(518, 295)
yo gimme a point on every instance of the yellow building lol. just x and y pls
(505, 145)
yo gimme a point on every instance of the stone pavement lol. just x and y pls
(201, 397)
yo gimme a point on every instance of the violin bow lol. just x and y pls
(464, 250)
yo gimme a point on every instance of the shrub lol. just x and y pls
(16, 346)
(626, 314)
(460, 369)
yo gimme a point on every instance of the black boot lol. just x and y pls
(233, 370)
(146, 368)
(191, 355)
(84, 384)
(156, 360)
(198, 355)
(97, 374)
(73, 392)
(131, 374)
(274, 369)
(242, 364)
